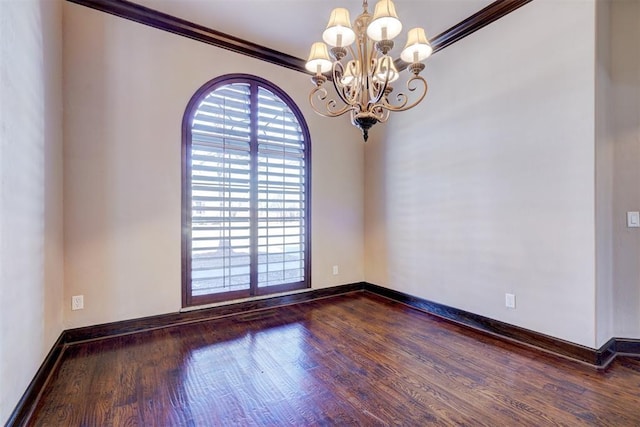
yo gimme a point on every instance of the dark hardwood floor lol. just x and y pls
(356, 359)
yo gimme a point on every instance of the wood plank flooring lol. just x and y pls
(355, 359)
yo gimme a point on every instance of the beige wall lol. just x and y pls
(126, 88)
(604, 150)
(31, 273)
(625, 93)
(488, 186)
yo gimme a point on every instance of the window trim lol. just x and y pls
(188, 300)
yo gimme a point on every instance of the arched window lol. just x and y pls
(245, 176)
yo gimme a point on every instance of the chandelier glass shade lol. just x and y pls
(362, 74)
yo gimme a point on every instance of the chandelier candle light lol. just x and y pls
(363, 80)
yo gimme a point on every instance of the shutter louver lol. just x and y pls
(281, 196)
(248, 195)
(220, 192)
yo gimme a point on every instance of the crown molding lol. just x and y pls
(162, 21)
(475, 22)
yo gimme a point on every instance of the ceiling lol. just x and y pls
(291, 26)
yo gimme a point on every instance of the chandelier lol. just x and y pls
(362, 74)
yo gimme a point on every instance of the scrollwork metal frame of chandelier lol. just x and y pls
(363, 83)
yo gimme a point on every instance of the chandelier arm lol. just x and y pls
(380, 113)
(330, 105)
(383, 114)
(341, 90)
(352, 52)
(348, 93)
(404, 99)
(332, 114)
(355, 93)
(371, 71)
(351, 94)
(376, 97)
(364, 58)
(373, 52)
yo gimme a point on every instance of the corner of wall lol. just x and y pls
(625, 99)
(604, 149)
(31, 272)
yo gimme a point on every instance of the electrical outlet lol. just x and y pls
(510, 300)
(335, 270)
(77, 302)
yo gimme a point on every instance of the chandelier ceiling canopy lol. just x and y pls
(362, 70)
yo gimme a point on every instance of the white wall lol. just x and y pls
(625, 93)
(31, 272)
(488, 186)
(126, 87)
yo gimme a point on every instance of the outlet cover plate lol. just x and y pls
(77, 302)
(510, 300)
